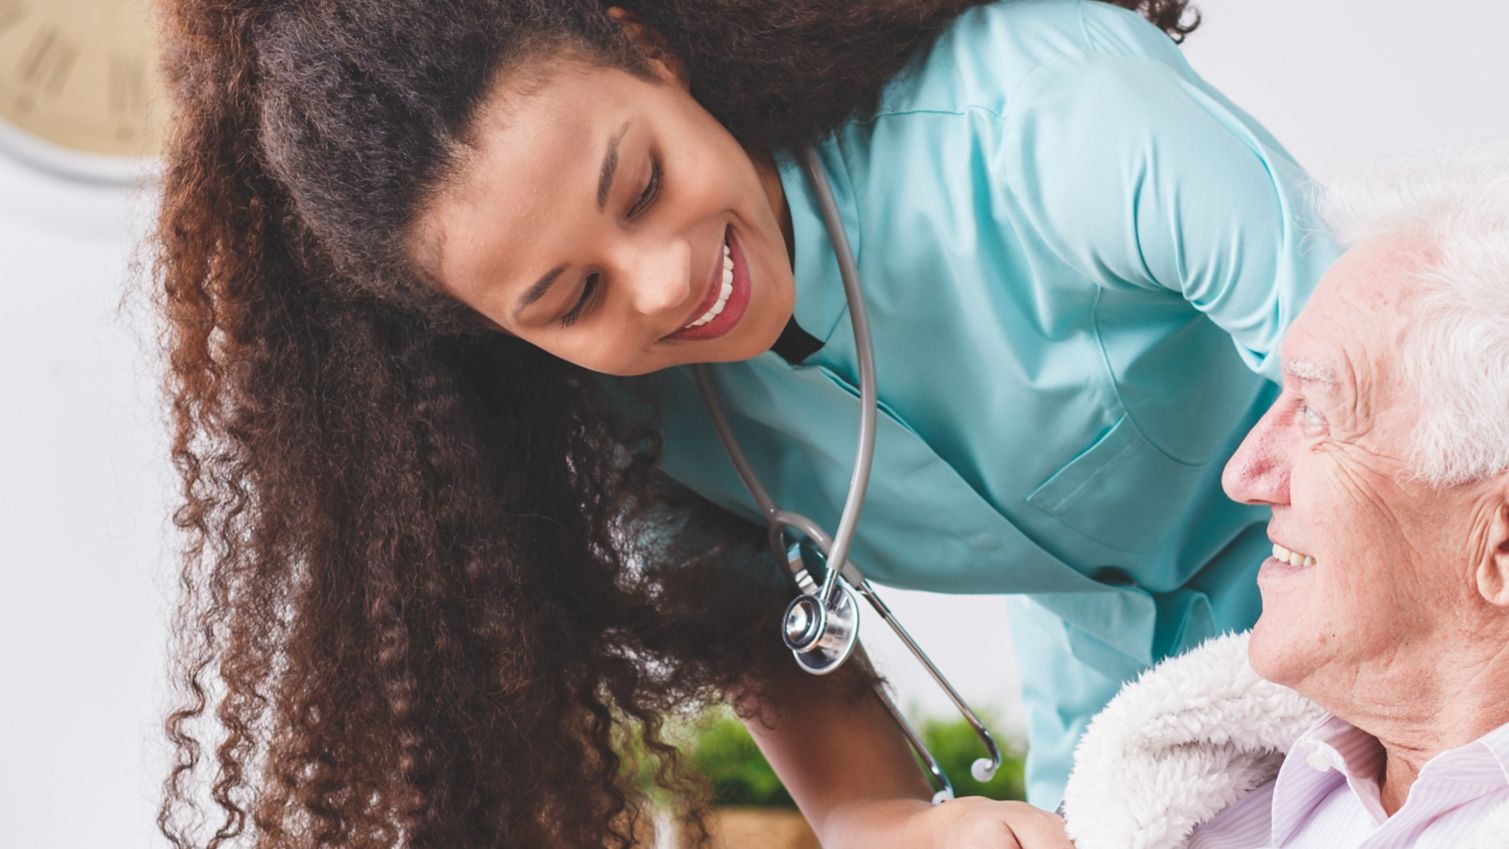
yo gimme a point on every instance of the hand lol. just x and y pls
(975, 822)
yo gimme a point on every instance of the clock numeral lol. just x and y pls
(11, 13)
(128, 84)
(48, 61)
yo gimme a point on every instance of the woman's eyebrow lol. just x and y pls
(604, 184)
(610, 165)
(537, 290)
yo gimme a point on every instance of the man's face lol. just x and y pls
(1385, 564)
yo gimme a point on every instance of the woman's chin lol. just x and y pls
(757, 335)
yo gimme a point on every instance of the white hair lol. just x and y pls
(1456, 350)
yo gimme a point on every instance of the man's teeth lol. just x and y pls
(723, 292)
(1293, 558)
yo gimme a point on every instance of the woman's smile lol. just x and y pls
(726, 299)
(625, 239)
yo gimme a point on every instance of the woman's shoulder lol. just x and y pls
(989, 51)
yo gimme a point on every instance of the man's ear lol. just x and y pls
(652, 45)
(1493, 570)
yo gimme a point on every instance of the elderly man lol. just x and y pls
(1381, 715)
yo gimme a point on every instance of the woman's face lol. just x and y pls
(613, 222)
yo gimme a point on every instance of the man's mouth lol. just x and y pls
(1293, 558)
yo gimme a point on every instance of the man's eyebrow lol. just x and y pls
(1310, 371)
(537, 291)
(610, 165)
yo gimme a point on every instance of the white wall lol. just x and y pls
(83, 564)
(1339, 79)
(85, 568)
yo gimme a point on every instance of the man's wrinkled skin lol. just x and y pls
(1401, 625)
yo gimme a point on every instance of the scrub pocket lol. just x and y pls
(1121, 492)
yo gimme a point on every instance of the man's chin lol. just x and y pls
(1281, 654)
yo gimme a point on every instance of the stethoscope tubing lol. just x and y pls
(859, 483)
(836, 549)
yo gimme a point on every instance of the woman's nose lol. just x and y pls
(659, 277)
(1258, 473)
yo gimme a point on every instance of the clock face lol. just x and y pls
(79, 86)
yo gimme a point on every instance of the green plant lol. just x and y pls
(956, 746)
(722, 750)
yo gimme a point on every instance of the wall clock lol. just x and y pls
(79, 92)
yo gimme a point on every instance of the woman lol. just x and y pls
(435, 562)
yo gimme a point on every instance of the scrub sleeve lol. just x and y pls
(1144, 179)
(1045, 209)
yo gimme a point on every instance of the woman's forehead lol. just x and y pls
(536, 163)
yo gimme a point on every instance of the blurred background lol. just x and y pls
(86, 558)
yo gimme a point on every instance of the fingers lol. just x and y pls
(985, 824)
(1033, 828)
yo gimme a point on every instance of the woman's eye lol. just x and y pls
(651, 189)
(589, 288)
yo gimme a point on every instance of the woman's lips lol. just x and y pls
(733, 308)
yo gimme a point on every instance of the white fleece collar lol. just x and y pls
(1185, 741)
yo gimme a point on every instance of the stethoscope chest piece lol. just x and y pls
(821, 637)
(822, 623)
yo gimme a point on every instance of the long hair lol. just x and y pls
(431, 583)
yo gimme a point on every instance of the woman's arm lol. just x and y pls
(829, 738)
(852, 773)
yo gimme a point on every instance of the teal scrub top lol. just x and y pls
(1078, 260)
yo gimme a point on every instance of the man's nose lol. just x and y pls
(659, 276)
(1259, 472)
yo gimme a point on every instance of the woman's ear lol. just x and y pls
(657, 52)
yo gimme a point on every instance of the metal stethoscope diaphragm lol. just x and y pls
(821, 626)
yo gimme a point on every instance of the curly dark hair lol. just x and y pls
(431, 584)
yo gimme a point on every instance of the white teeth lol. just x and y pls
(723, 291)
(1293, 558)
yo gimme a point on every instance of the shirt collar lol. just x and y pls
(1484, 761)
(820, 300)
(1497, 744)
(1333, 751)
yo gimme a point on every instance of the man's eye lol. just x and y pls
(1309, 415)
(651, 189)
(589, 288)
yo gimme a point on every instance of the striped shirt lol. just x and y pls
(1326, 796)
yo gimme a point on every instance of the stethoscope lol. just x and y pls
(822, 623)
